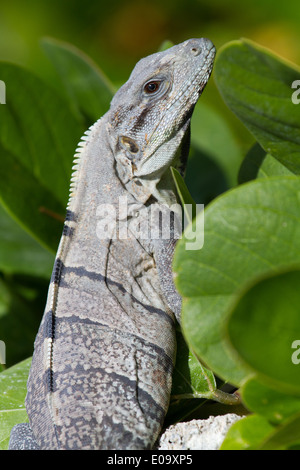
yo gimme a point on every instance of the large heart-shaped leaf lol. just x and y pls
(255, 432)
(263, 326)
(256, 85)
(259, 164)
(269, 402)
(249, 231)
(284, 436)
(247, 433)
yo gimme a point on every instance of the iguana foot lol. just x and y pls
(22, 438)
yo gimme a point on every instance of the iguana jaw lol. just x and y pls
(159, 184)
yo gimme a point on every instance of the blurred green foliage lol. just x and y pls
(116, 34)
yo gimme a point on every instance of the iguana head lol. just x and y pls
(150, 114)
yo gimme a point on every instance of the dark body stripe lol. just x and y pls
(80, 271)
(153, 408)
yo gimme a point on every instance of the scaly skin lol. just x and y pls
(104, 355)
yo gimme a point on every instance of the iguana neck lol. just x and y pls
(93, 186)
(159, 184)
(98, 183)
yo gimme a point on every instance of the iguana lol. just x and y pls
(103, 358)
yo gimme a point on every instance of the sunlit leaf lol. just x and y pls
(247, 433)
(12, 396)
(263, 325)
(274, 405)
(256, 85)
(249, 231)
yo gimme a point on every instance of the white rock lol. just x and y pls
(198, 434)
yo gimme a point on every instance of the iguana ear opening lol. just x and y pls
(129, 144)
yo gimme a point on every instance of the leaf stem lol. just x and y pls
(216, 395)
(226, 398)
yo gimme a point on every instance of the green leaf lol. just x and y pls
(274, 405)
(192, 385)
(272, 167)
(249, 231)
(22, 301)
(184, 194)
(247, 433)
(254, 432)
(256, 85)
(29, 202)
(88, 90)
(212, 135)
(181, 187)
(19, 252)
(12, 396)
(38, 129)
(251, 164)
(204, 176)
(264, 324)
(259, 164)
(165, 45)
(38, 137)
(284, 436)
(190, 378)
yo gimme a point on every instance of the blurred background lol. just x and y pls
(117, 33)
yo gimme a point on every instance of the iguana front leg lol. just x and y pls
(104, 354)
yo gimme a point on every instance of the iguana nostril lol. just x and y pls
(196, 51)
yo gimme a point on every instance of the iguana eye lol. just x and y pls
(152, 86)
